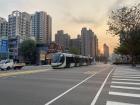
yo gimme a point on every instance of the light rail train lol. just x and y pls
(66, 60)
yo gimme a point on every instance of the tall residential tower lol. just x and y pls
(19, 24)
(62, 39)
(3, 27)
(106, 51)
(41, 29)
(89, 43)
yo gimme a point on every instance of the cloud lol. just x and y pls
(82, 20)
(89, 11)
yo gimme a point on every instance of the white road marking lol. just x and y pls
(125, 87)
(124, 94)
(130, 75)
(124, 77)
(118, 103)
(101, 88)
(133, 72)
(136, 80)
(53, 100)
(126, 74)
(128, 83)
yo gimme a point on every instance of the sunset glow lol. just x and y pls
(72, 15)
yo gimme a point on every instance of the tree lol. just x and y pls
(27, 49)
(122, 49)
(125, 23)
(74, 51)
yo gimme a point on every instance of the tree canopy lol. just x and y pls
(74, 51)
(27, 49)
(125, 23)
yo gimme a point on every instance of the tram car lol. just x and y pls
(66, 60)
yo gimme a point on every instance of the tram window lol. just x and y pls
(72, 60)
(55, 58)
(62, 58)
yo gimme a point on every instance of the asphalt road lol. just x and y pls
(87, 85)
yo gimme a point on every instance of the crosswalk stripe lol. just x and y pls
(127, 72)
(126, 79)
(120, 79)
(129, 83)
(132, 75)
(124, 94)
(125, 87)
(118, 103)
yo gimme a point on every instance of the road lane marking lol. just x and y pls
(135, 80)
(21, 73)
(118, 103)
(125, 87)
(124, 94)
(128, 83)
(90, 72)
(101, 88)
(62, 94)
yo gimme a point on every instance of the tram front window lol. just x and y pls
(58, 58)
(62, 58)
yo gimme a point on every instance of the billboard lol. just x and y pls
(4, 46)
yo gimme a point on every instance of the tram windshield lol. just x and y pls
(58, 58)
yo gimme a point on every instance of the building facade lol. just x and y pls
(96, 47)
(62, 39)
(106, 51)
(89, 43)
(76, 44)
(41, 27)
(19, 24)
(3, 27)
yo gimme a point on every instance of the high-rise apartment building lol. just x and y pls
(106, 51)
(3, 27)
(19, 24)
(88, 43)
(49, 29)
(85, 42)
(41, 24)
(18, 30)
(62, 39)
(96, 46)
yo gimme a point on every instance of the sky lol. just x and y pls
(72, 15)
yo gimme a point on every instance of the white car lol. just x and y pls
(6, 64)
